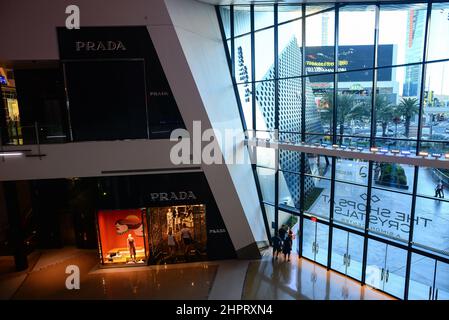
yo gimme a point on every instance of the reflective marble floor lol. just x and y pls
(301, 279)
(214, 280)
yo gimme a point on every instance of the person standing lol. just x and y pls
(439, 190)
(441, 187)
(171, 242)
(283, 232)
(277, 245)
(186, 237)
(287, 246)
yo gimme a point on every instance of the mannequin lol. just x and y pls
(131, 247)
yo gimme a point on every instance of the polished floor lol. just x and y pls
(300, 279)
(214, 280)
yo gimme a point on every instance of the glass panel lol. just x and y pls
(265, 105)
(286, 13)
(401, 34)
(354, 103)
(320, 43)
(308, 238)
(225, 14)
(266, 180)
(395, 271)
(397, 102)
(394, 176)
(439, 27)
(390, 214)
(359, 143)
(242, 49)
(289, 160)
(263, 17)
(408, 146)
(270, 211)
(435, 102)
(289, 189)
(292, 221)
(429, 182)
(312, 8)
(350, 205)
(442, 281)
(322, 242)
(315, 241)
(242, 20)
(386, 268)
(435, 149)
(246, 101)
(347, 253)
(352, 170)
(319, 104)
(339, 250)
(422, 274)
(266, 157)
(356, 37)
(431, 224)
(290, 53)
(355, 256)
(264, 46)
(317, 196)
(320, 165)
(290, 105)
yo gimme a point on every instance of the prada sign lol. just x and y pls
(109, 45)
(105, 43)
(172, 196)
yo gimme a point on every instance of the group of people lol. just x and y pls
(282, 242)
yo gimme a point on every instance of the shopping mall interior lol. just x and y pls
(224, 150)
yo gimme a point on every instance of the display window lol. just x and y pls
(122, 236)
(177, 234)
(157, 235)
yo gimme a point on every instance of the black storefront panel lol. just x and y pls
(114, 78)
(107, 100)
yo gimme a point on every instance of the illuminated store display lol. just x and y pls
(121, 236)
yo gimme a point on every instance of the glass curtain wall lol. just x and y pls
(371, 75)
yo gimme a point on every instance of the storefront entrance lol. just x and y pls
(156, 235)
(178, 234)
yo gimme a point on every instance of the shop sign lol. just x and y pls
(172, 196)
(217, 230)
(100, 46)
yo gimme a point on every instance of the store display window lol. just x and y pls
(177, 234)
(122, 236)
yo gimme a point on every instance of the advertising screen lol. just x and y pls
(321, 60)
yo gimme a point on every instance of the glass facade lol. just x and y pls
(308, 73)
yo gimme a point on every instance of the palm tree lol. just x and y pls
(347, 109)
(407, 108)
(385, 112)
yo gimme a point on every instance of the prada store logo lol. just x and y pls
(109, 45)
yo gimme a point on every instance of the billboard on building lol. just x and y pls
(320, 60)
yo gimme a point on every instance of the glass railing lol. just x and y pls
(15, 134)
